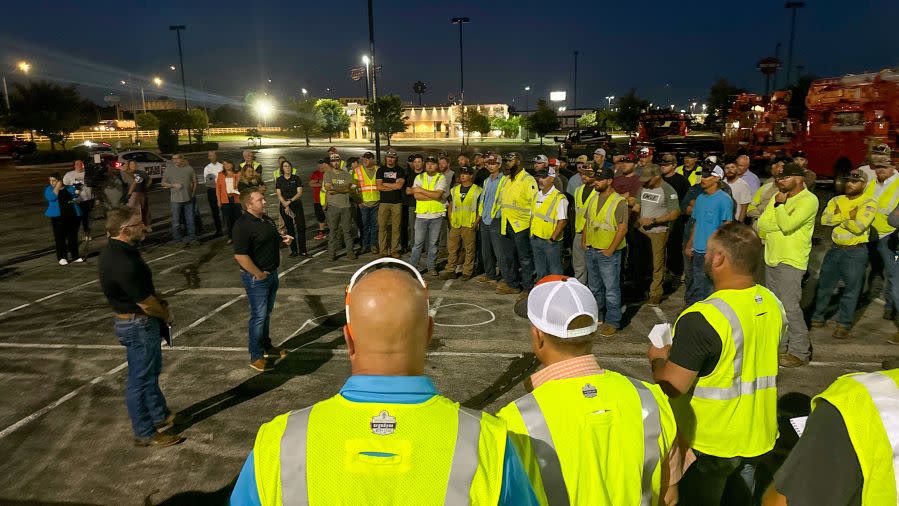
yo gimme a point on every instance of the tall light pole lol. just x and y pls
(776, 57)
(527, 96)
(610, 98)
(460, 22)
(374, 76)
(366, 61)
(574, 99)
(177, 29)
(792, 6)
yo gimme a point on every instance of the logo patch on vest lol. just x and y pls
(589, 391)
(758, 299)
(383, 424)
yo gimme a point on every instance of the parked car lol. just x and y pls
(12, 146)
(147, 161)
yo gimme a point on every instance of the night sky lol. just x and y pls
(233, 47)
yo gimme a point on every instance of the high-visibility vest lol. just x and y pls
(323, 198)
(886, 202)
(693, 178)
(596, 440)
(277, 172)
(733, 410)
(256, 166)
(543, 216)
(495, 208)
(849, 232)
(869, 404)
(515, 201)
(344, 452)
(429, 183)
(368, 185)
(580, 208)
(600, 226)
(465, 211)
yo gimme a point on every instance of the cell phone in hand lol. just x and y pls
(166, 333)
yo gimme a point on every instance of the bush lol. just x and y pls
(193, 148)
(167, 140)
(44, 157)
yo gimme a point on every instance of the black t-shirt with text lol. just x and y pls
(288, 185)
(390, 175)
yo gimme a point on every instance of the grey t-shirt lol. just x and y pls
(339, 180)
(185, 176)
(657, 202)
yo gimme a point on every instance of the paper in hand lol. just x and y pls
(798, 424)
(229, 185)
(660, 335)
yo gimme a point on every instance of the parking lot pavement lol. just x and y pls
(64, 432)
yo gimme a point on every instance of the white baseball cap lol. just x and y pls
(557, 300)
(600, 151)
(541, 159)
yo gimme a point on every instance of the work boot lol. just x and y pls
(434, 272)
(818, 323)
(465, 277)
(889, 313)
(158, 440)
(894, 339)
(841, 332)
(483, 278)
(503, 289)
(448, 275)
(607, 330)
(261, 365)
(396, 255)
(374, 250)
(275, 352)
(790, 361)
(166, 424)
(351, 254)
(654, 301)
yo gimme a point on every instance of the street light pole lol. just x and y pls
(527, 96)
(776, 57)
(374, 76)
(366, 61)
(575, 85)
(177, 29)
(460, 22)
(793, 6)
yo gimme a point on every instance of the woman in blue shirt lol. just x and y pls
(64, 214)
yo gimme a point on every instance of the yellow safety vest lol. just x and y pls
(323, 198)
(368, 185)
(277, 172)
(465, 212)
(543, 216)
(580, 208)
(256, 166)
(435, 452)
(887, 201)
(515, 201)
(693, 178)
(429, 183)
(496, 204)
(846, 231)
(869, 404)
(600, 227)
(596, 440)
(733, 410)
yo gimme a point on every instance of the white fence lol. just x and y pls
(85, 135)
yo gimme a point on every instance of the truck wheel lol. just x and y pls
(841, 170)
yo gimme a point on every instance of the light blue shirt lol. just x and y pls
(516, 488)
(709, 213)
(488, 196)
(752, 180)
(573, 183)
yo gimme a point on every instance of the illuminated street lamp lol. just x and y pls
(527, 96)
(610, 98)
(157, 81)
(692, 106)
(171, 67)
(24, 66)
(304, 92)
(265, 107)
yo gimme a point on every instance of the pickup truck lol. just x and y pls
(12, 146)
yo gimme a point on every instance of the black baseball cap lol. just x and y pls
(412, 158)
(604, 173)
(465, 169)
(368, 154)
(791, 169)
(782, 159)
(431, 158)
(691, 154)
(512, 155)
(443, 154)
(351, 160)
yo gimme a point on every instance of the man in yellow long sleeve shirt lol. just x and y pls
(787, 226)
(851, 216)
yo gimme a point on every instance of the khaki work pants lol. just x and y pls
(463, 237)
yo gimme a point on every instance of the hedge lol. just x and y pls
(193, 148)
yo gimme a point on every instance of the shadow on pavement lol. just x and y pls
(519, 370)
(194, 497)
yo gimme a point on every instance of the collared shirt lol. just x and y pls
(259, 239)
(488, 196)
(574, 182)
(585, 365)
(211, 173)
(124, 277)
(752, 180)
(561, 210)
(516, 487)
(879, 187)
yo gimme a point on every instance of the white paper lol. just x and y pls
(799, 424)
(229, 185)
(660, 335)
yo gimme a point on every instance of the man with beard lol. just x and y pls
(739, 189)
(515, 204)
(787, 225)
(415, 167)
(763, 196)
(480, 169)
(658, 207)
(713, 208)
(851, 215)
(690, 169)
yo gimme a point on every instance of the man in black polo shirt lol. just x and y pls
(127, 283)
(256, 243)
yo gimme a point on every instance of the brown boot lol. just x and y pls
(158, 440)
(503, 289)
(841, 332)
(261, 365)
(790, 361)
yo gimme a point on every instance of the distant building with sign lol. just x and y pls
(423, 122)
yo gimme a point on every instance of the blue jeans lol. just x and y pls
(547, 257)
(426, 230)
(491, 251)
(603, 274)
(261, 296)
(518, 255)
(142, 341)
(188, 209)
(701, 285)
(889, 273)
(369, 227)
(849, 265)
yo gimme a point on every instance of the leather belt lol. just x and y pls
(128, 316)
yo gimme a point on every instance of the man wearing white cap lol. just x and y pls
(587, 435)
(549, 215)
(713, 208)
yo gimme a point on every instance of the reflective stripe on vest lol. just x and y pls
(739, 386)
(885, 396)
(368, 186)
(580, 208)
(652, 429)
(464, 210)
(294, 487)
(543, 217)
(548, 216)
(545, 450)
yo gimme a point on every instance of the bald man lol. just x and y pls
(387, 437)
(249, 157)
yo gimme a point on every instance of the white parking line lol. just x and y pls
(82, 285)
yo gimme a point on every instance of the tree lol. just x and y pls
(49, 109)
(229, 115)
(471, 120)
(171, 122)
(543, 121)
(385, 116)
(305, 117)
(147, 121)
(798, 93)
(509, 127)
(199, 122)
(587, 120)
(721, 97)
(334, 118)
(630, 107)
(607, 120)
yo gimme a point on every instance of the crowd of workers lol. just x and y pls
(582, 434)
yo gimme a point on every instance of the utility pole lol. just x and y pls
(374, 77)
(575, 87)
(793, 6)
(527, 96)
(177, 29)
(460, 22)
(776, 57)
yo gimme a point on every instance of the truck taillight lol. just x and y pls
(116, 164)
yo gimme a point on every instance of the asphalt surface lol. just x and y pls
(64, 431)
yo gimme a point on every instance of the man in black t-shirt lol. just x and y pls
(256, 243)
(416, 167)
(675, 256)
(480, 169)
(140, 315)
(390, 180)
